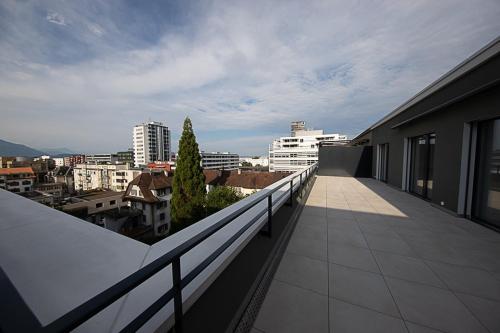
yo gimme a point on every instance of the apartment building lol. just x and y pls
(126, 156)
(58, 161)
(151, 143)
(219, 161)
(17, 180)
(113, 177)
(71, 161)
(6, 161)
(151, 193)
(101, 158)
(292, 153)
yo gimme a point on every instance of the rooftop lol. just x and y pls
(98, 195)
(14, 171)
(364, 255)
(248, 180)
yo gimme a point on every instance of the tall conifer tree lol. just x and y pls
(188, 197)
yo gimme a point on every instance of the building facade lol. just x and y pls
(151, 193)
(101, 158)
(58, 161)
(113, 177)
(292, 153)
(151, 143)
(443, 145)
(219, 161)
(262, 161)
(17, 180)
(126, 156)
(71, 161)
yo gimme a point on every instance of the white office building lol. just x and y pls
(292, 153)
(151, 143)
(262, 161)
(219, 161)
(113, 177)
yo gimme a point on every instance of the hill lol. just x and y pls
(14, 149)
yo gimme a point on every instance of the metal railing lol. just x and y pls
(16, 316)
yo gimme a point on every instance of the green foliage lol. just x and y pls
(221, 197)
(246, 164)
(188, 192)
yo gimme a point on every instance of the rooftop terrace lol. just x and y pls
(365, 257)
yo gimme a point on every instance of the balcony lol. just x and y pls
(366, 257)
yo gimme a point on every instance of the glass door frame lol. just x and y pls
(411, 165)
(475, 165)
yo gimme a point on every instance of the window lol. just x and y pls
(162, 217)
(98, 205)
(112, 202)
(26, 189)
(143, 218)
(26, 182)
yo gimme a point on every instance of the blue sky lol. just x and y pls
(80, 74)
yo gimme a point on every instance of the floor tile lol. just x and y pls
(287, 308)
(352, 256)
(312, 221)
(467, 280)
(406, 268)
(353, 238)
(487, 311)
(414, 328)
(347, 318)
(342, 224)
(310, 209)
(388, 244)
(304, 272)
(312, 248)
(310, 232)
(361, 288)
(433, 307)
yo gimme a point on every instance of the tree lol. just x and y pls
(246, 164)
(221, 197)
(188, 190)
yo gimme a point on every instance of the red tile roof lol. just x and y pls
(13, 171)
(249, 180)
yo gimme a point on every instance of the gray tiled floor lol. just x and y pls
(365, 257)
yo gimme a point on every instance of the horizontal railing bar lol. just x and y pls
(87, 310)
(147, 314)
(204, 264)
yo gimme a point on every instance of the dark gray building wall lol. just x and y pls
(345, 161)
(448, 124)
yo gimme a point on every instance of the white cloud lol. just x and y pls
(339, 66)
(56, 18)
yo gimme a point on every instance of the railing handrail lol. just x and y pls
(99, 302)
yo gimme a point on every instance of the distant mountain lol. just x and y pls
(55, 152)
(15, 149)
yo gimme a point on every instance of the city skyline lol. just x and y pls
(80, 75)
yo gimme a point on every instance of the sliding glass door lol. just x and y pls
(487, 185)
(382, 161)
(422, 165)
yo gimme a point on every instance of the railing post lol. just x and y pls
(291, 193)
(300, 186)
(269, 214)
(176, 275)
